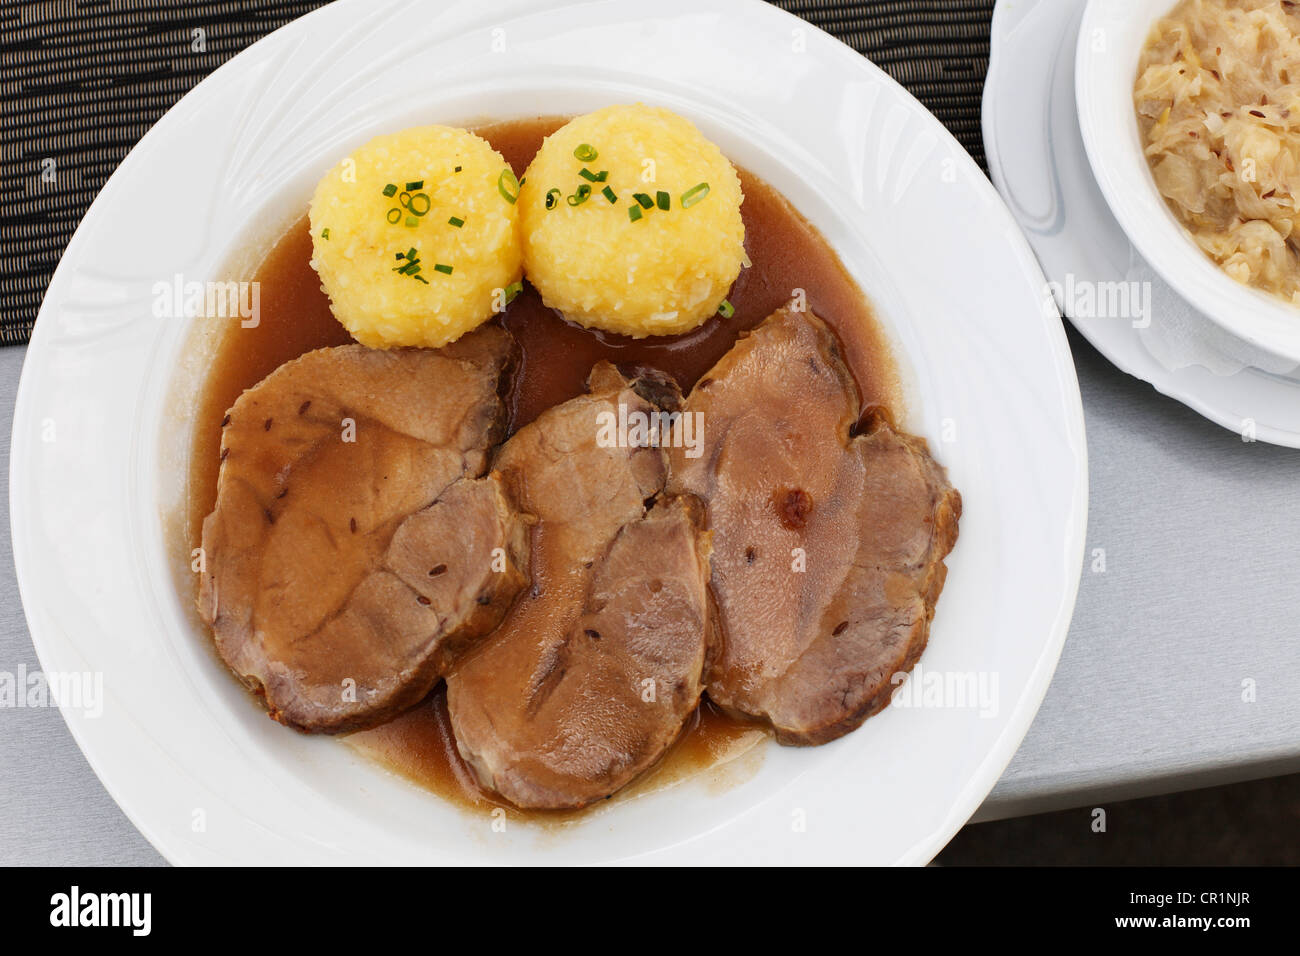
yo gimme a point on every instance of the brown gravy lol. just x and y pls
(785, 252)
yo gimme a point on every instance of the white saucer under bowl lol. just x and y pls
(1037, 160)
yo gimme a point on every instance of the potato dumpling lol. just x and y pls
(415, 237)
(631, 222)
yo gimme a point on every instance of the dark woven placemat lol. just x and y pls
(82, 80)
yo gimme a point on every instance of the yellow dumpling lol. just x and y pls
(415, 237)
(631, 222)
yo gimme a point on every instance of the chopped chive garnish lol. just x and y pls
(694, 195)
(445, 270)
(585, 153)
(456, 221)
(390, 190)
(508, 186)
(413, 186)
(553, 198)
(523, 180)
(591, 177)
(412, 265)
(644, 199)
(609, 194)
(726, 309)
(580, 195)
(412, 222)
(456, 170)
(512, 290)
(405, 199)
(325, 233)
(420, 204)
(662, 199)
(634, 213)
(394, 215)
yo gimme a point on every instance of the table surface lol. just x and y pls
(1198, 594)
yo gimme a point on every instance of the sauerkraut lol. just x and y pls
(1218, 104)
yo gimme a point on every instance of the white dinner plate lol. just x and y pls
(1037, 159)
(100, 429)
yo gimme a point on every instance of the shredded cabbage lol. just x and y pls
(1218, 104)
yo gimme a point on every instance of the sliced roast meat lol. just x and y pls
(355, 550)
(596, 668)
(828, 544)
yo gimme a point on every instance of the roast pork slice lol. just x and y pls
(829, 539)
(596, 668)
(356, 548)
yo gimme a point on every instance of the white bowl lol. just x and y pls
(99, 438)
(1111, 37)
